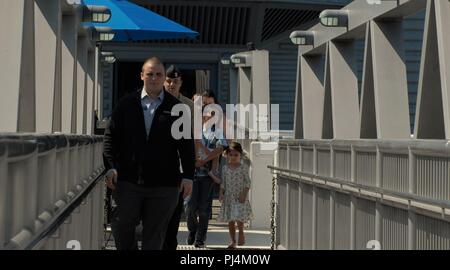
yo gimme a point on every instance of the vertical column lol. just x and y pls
(288, 198)
(389, 79)
(312, 95)
(412, 190)
(298, 114)
(378, 205)
(3, 192)
(17, 74)
(81, 78)
(68, 72)
(332, 200)
(314, 202)
(344, 90)
(433, 99)
(300, 199)
(90, 97)
(98, 85)
(47, 36)
(443, 25)
(353, 202)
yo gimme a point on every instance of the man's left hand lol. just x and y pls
(186, 187)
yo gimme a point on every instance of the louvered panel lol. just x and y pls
(342, 221)
(307, 216)
(272, 24)
(243, 33)
(207, 24)
(231, 22)
(395, 229)
(323, 218)
(216, 21)
(293, 215)
(365, 223)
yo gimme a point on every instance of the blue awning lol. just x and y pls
(131, 22)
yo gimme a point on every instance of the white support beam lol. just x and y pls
(17, 105)
(344, 90)
(11, 34)
(298, 114)
(433, 98)
(48, 38)
(312, 73)
(81, 85)
(327, 120)
(385, 78)
(90, 97)
(69, 72)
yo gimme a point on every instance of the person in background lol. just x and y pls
(173, 84)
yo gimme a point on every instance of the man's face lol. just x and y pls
(153, 76)
(173, 85)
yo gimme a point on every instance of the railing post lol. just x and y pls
(300, 200)
(3, 192)
(378, 205)
(412, 190)
(288, 206)
(314, 202)
(332, 199)
(353, 202)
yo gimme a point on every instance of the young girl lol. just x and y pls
(234, 187)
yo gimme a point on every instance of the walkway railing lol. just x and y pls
(338, 194)
(50, 194)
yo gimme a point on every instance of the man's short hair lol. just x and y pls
(173, 72)
(153, 60)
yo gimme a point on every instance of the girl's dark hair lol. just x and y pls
(235, 146)
(209, 93)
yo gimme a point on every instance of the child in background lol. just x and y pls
(234, 187)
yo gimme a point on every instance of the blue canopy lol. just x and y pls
(132, 22)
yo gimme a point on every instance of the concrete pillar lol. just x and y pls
(17, 72)
(48, 73)
(343, 90)
(385, 112)
(90, 93)
(82, 55)
(433, 99)
(68, 72)
(312, 70)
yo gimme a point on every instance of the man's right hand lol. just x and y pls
(111, 178)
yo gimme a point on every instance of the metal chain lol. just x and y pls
(273, 213)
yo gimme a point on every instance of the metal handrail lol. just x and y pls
(400, 195)
(65, 212)
(52, 212)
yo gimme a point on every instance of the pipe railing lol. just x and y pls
(341, 194)
(50, 191)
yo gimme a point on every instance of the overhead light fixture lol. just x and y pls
(96, 14)
(106, 36)
(237, 59)
(225, 61)
(108, 57)
(302, 37)
(334, 18)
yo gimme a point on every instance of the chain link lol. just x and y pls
(273, 215)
